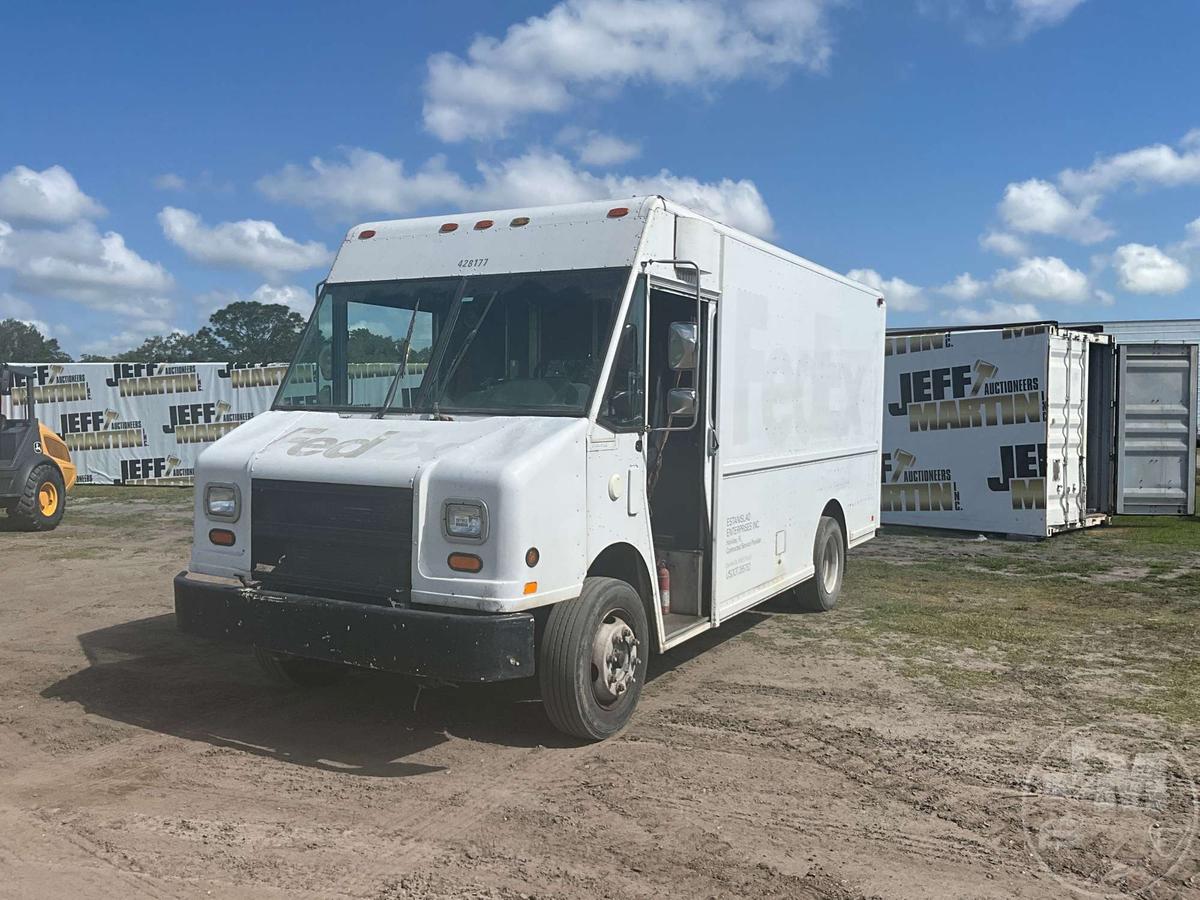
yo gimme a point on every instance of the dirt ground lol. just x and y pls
(881, 750)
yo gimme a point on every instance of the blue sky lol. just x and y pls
(160, 160)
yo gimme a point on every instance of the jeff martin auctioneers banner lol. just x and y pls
(146, 423)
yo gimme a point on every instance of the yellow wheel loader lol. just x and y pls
(36, 471)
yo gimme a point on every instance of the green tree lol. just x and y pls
(20, 342)
(257, 332)
(203, 346)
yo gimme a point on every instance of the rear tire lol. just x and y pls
(820, 593)
(43, 500)
(592, 659)
(296, 671)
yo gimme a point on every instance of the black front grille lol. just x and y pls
(335, 540)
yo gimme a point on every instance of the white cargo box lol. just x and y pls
(1034, 429)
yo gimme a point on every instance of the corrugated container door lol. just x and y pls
(1156, 428)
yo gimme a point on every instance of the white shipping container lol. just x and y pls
(1034, 429)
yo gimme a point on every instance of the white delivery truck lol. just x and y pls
(1032, 429)
(544, 443)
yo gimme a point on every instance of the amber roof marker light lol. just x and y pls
(366, 233)
(448, 227)
(484, 224)
(618, 212)
(519, 221)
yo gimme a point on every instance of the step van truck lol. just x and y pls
(544, 443)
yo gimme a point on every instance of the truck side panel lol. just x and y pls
(799, 380)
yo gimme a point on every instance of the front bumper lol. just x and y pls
(443, 645)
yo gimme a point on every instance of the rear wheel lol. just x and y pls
(297, 671)
(592, 659)
(820, 593)
(43, 500)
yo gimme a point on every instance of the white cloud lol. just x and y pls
(130, 336)
(1035, 14)
(79, 263)
(964, 287)
(370, 183)
(1044, 278)
(292, 296)
(591, 47)
(1157, 165)
(994, 312)
(249, 244)
(1192, 241)
(899, 294)
(366, 182)
(49, 197)
(1004, 243)
(994, 20)
(1038, 207)
(169, 181)
(606, 150)
(1143, 269)
(1104, 298)
(15, 308)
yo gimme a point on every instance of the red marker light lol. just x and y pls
(484, 224)
(618, 212)
(368, 233)
(448, 227)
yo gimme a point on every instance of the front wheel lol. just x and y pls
(592, 659)
(43, 500)
(820, 593)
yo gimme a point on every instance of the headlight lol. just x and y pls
(222, 501)
(465, 520)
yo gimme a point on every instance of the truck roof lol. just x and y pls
(588, 234)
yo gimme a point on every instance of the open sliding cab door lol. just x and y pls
(1156, 429)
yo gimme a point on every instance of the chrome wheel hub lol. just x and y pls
(829, 566)
(614, 659)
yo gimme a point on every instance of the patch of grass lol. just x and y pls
(1170, 531)
(171, 496)
(961, 615)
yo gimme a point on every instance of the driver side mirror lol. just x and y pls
(681, 402)
(682, 343)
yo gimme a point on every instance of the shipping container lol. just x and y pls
(1033, 429)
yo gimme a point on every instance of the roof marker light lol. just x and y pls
(519, 221)
(618, 212)
(367, 233)
(448, 227)
(484, 224)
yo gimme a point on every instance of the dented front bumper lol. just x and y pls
(434, 644)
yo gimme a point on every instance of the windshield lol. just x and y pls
(527, 344)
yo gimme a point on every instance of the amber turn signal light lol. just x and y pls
(222, 537)
(464, 562)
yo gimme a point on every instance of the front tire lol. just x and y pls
(295, 671)
(592, 659)
(820, 593)
(43, 500)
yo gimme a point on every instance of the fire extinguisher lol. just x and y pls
(664, 587)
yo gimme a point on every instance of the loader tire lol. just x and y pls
(592, 659)
(295, 671)
(820, 593)
(43, 500)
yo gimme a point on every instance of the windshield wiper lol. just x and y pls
(403, 370)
